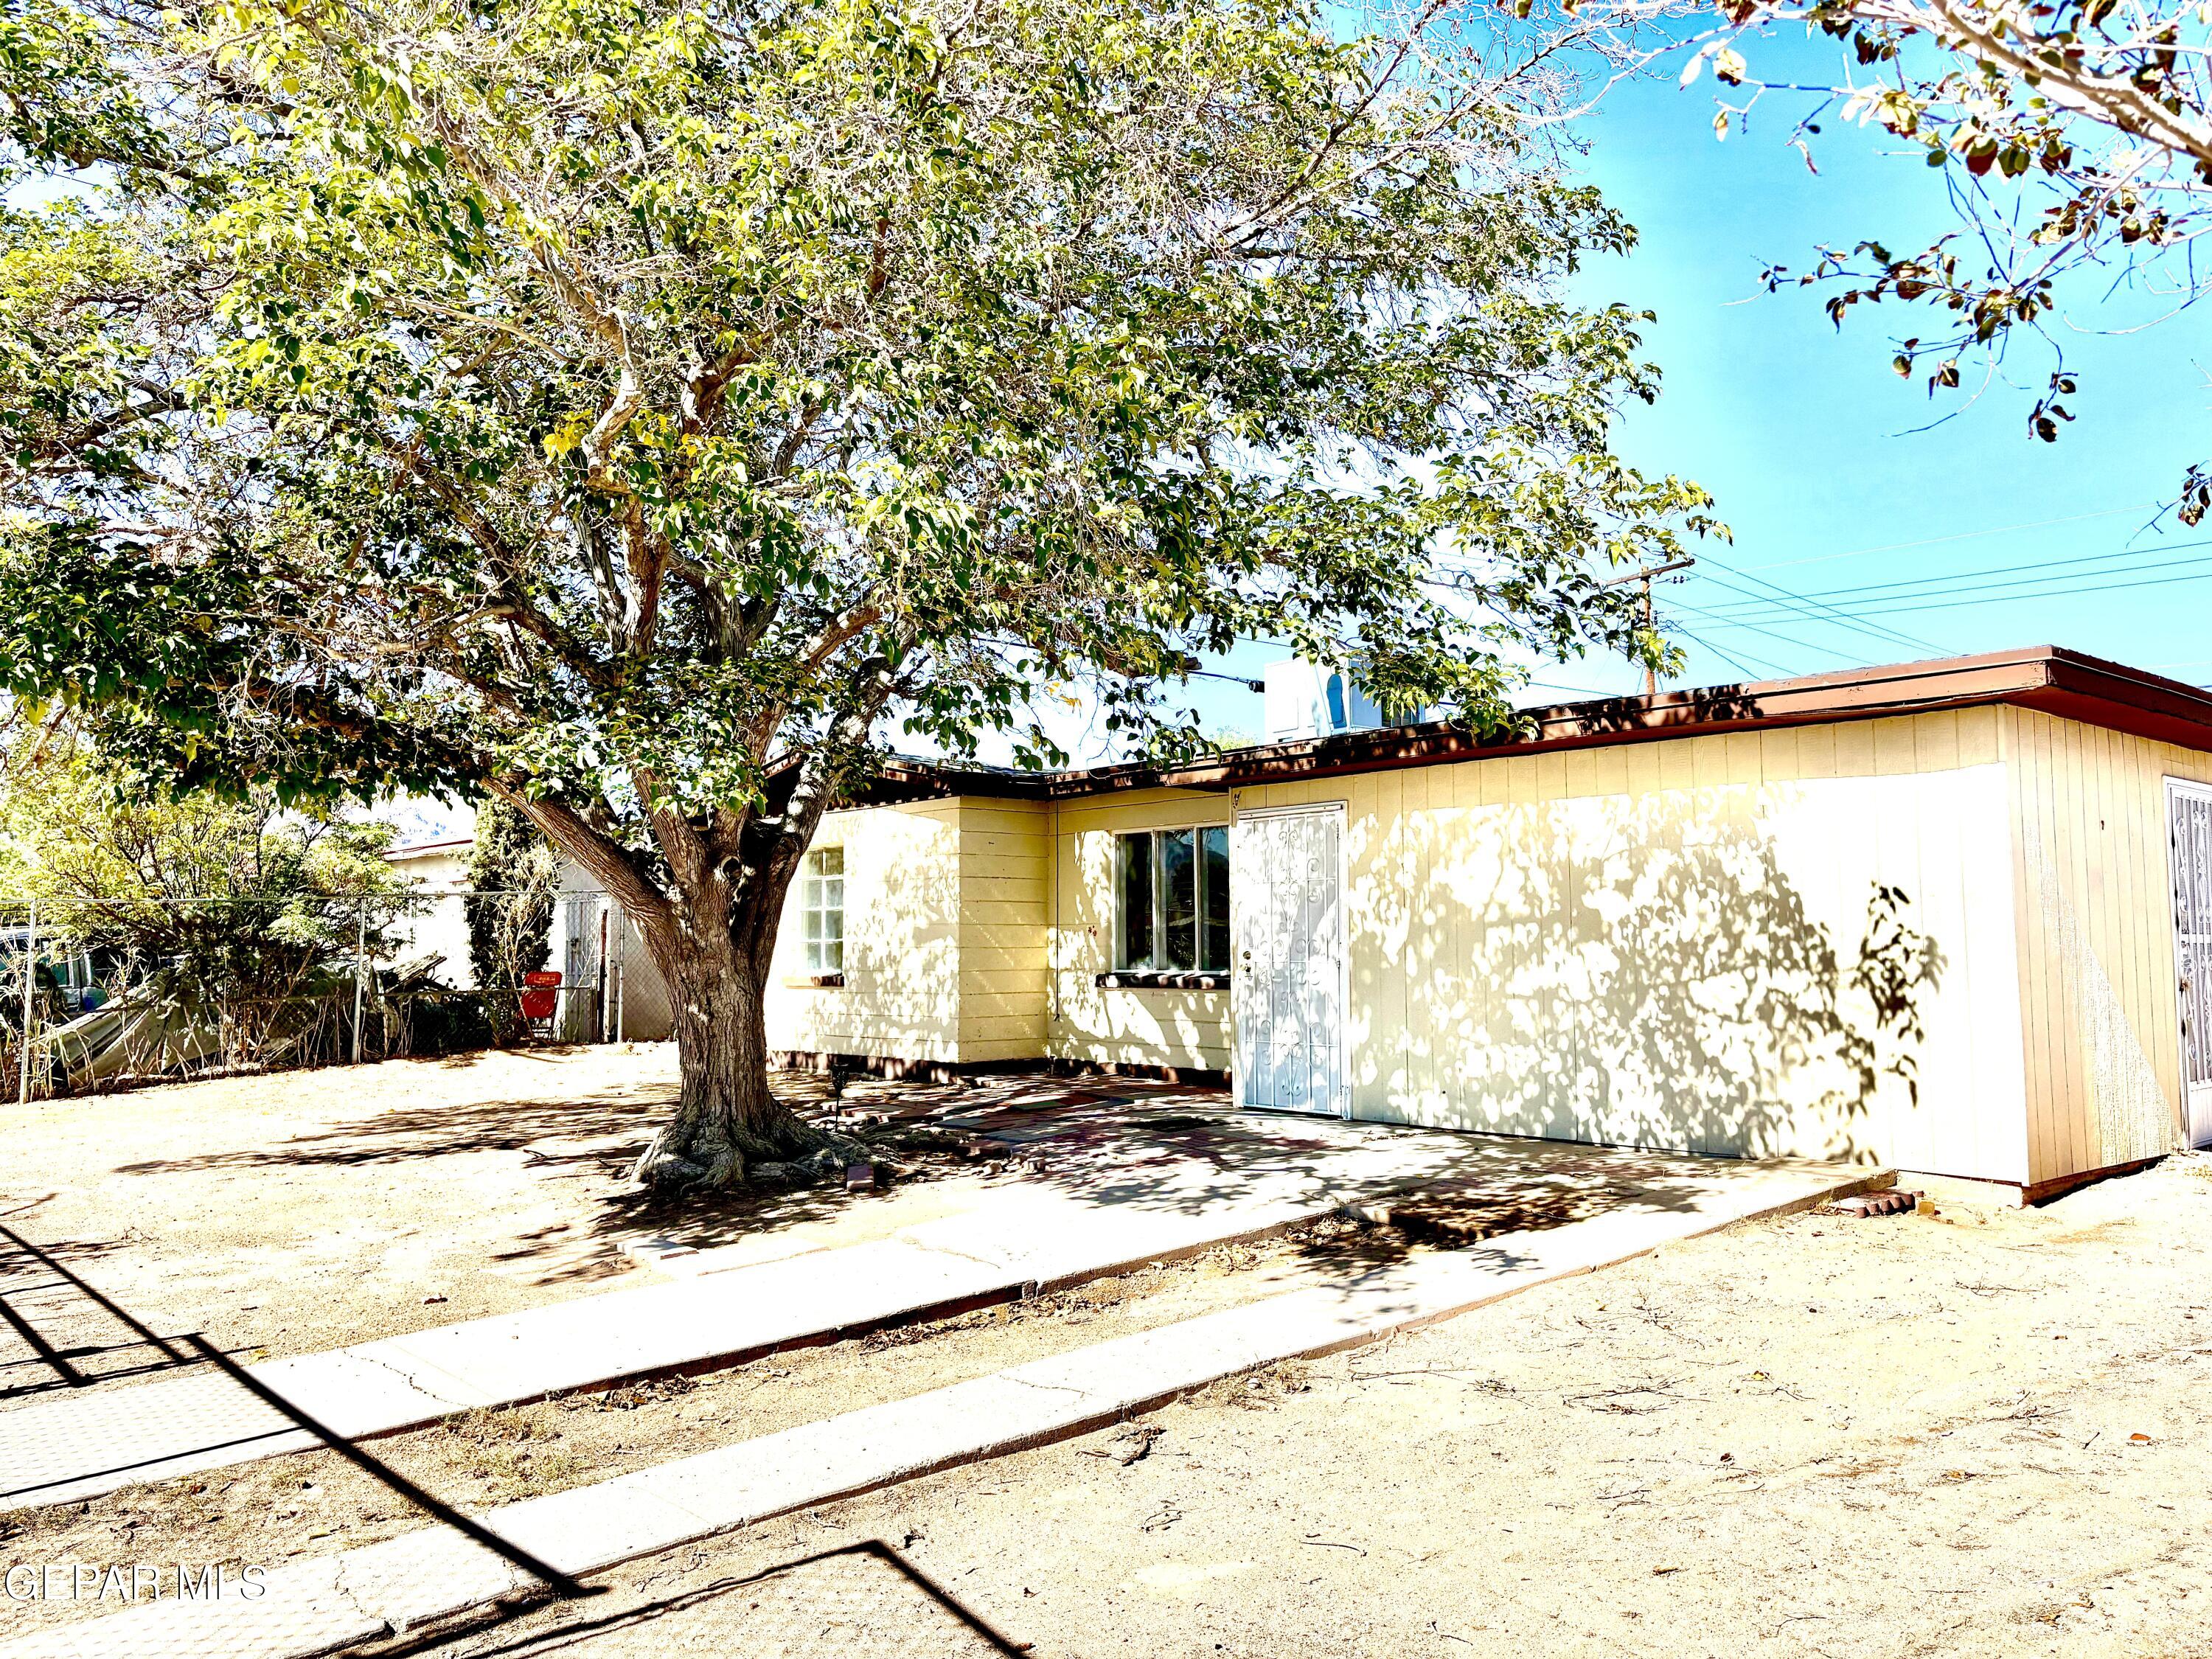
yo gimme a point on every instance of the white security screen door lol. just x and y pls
(1286, 887)
(2189, 834)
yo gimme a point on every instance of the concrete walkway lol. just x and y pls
(1104, 1211)
(323, 1605)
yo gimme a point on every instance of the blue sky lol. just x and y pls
(1807, 437)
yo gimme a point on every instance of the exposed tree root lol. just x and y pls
(692, 1156)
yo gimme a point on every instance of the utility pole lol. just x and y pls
(1651, 674)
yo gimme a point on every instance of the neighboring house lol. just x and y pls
(610, 988)
(1922, 914)
(440, 867)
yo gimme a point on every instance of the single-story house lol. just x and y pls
(1952, 916)
(610, 988)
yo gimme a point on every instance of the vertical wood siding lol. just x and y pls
(2097, 974)
(1797, 941)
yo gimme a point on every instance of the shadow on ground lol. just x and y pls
(864, 1600)
(1110, 1142)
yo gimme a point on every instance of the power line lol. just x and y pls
(2061, 593)
(1953, 598)
(1783, 639)
(1967, 581)
(1732, 661)
(1579, 690)
(1836, 617)
(1840, 618)
(1962, 536)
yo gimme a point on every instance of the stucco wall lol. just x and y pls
(1797, 941)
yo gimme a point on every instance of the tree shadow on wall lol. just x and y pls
(1649, 973)
(1692, 971)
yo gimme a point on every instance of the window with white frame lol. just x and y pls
(1171, 889)
(822, 909)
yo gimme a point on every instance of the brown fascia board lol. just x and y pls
(2067, 684)
(898, 781)
(2122, 699)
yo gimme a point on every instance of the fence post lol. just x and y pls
(360, 966)
(30, 987)
(621, 962)
(599, 1013)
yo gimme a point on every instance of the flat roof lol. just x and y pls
(2068, 684)
(425, 848)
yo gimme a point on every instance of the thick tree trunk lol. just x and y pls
(726, 1118)
(712, 938)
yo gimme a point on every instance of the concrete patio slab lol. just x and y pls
(321, 1606)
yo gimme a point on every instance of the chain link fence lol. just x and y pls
(100, 993)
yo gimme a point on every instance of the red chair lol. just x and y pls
(540, 993)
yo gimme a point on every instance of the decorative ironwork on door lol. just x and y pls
(1289, 999)
(2189, 821)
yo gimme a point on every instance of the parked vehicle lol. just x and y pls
(67, 982)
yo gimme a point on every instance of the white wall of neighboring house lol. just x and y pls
(440, 866)
(606, 976)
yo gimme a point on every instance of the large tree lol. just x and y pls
(645, 412)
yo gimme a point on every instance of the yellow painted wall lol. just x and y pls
(2098, 991)
(1798, 941)
(1006, 851)
(1181, 1028)
(1942, 941)
(903, 937)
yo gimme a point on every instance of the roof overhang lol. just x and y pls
(2066, 683)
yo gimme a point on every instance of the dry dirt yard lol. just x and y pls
(316, 1502)
(294, 1213)
(431, 1190)
(232, 1207)
(1982, 1433)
